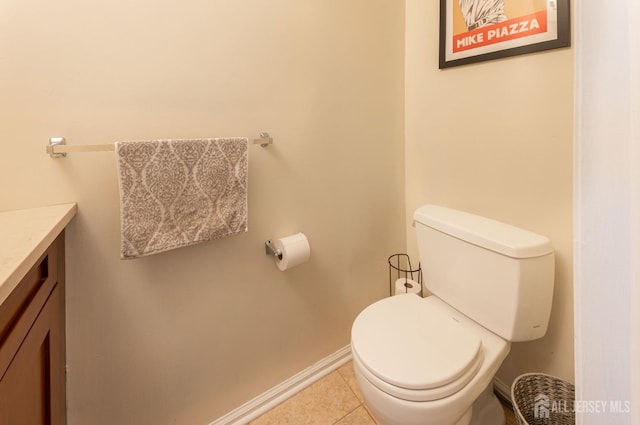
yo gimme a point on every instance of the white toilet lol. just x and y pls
(424, 361)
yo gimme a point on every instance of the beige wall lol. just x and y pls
(495, 139)
(185, 336)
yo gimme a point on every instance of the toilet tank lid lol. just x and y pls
(484, 232)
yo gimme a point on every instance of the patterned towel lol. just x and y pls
(175, 193)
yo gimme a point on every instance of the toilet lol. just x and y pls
(431, 361)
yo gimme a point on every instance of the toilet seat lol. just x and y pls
(414, 349)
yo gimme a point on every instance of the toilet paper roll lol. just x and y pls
(404, 286)
(295, 250)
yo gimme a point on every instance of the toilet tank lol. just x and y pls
(496, 274)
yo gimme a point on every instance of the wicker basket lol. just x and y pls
(540, 399)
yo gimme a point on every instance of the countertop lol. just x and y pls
(24, 237)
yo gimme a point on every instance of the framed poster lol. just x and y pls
(481, 30)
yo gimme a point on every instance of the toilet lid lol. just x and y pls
(414, 345)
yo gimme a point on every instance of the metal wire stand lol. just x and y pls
(400, 266)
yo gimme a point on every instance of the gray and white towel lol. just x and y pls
(175, 193)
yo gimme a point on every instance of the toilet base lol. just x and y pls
(487, 409)
(387, 410)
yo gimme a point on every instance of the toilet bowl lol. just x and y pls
(427, 363)
(424, 361)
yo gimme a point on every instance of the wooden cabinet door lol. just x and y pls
(32, 345)
(29, 390)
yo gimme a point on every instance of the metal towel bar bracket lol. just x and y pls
(57, 147)
(264, 140)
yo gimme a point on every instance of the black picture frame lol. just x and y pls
(461, 43)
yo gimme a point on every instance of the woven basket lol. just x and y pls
(540, 399)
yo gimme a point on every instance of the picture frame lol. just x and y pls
(481, 30)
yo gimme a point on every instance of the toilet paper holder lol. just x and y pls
(270, 249)
(400, 266)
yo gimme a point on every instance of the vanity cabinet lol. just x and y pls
(32, 344)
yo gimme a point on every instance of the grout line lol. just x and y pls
(347, 414)
(360, 403)
(369, 414)
(344, 380)
(349, 386)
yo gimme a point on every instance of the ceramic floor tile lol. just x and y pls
(323, 403)
(336, 399)
(349, 375)
(357, 417)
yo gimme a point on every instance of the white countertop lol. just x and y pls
(24, 237)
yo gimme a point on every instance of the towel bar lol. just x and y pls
(57, 147)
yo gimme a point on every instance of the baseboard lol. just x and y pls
(502, 390)
(281, 392)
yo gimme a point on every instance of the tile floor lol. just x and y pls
(333, 400)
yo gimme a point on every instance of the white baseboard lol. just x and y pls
(503, 389)
(281, 392)
(266, 401)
